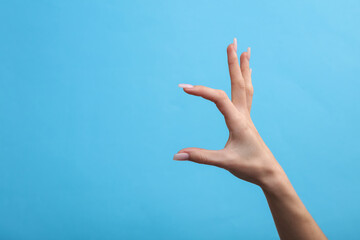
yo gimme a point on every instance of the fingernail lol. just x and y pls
(183, 85)
(249, 52)
(235, 44)
(181, 156)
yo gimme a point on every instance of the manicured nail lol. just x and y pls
(183, 85)
(235, 44)
(181, 156)
(249, 52)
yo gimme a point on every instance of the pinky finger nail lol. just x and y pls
(183, 85)
(181, 156)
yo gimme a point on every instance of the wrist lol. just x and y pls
(275, 180)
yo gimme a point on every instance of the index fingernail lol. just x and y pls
(183, 85)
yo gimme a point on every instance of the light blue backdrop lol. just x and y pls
(91, 115)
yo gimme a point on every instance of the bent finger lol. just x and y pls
(218, 97)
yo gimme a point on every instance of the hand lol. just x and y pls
(247, 157)
(245, 154)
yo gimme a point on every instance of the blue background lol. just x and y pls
(91, 115)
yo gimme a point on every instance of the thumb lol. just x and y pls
(202, 156)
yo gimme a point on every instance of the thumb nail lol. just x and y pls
(181, 156)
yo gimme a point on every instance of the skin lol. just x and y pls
(246, 155)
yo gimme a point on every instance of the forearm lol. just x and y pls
(291, 217)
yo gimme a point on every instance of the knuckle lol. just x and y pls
(201, 158)
(250, 90)
(238, 83)
(241, 86)
(222, 94)
(200, 87)
(221, 97)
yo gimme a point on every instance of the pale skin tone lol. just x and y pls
(246, 155)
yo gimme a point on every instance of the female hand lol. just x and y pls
(245, 154)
